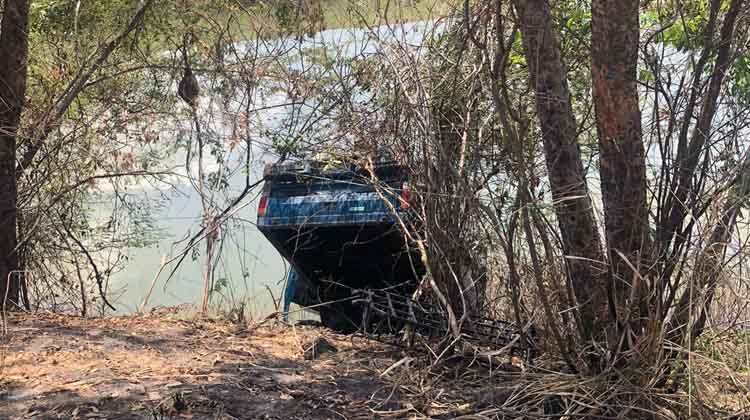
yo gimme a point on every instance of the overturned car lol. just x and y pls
(339, 229)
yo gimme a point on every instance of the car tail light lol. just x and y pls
(405, 197)
(262, 205)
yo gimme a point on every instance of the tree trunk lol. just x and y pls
(614, 59)
(14, 46)
(575, 215)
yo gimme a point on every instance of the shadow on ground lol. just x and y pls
(154, 367)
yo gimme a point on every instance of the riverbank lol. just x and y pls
(165, 365)
(170, 365)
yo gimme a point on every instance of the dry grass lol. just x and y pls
(130, 367)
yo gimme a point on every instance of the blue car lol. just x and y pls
(340, 229)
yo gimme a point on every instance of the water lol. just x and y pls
(250, 264)
(250, 270)
(253, 270)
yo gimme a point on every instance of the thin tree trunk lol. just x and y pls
(688, 155)
(614, 59)
(208, 277)
(575, 214)
(691, 313)
(710, 264)
(14, 48)
(664, 229)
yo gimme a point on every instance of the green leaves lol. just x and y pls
(739, 76)
(574, 18)
(220, 284)
(680, 24)
(645, 75)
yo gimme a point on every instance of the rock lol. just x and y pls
(317, 347)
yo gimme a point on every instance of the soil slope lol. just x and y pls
(159, 366)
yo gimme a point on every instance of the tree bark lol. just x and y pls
(14, 48)
(575, 215)
(614, 59)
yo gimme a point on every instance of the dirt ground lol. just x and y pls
(162, 366)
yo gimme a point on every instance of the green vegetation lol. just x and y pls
(285, 18)
(350, 13)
